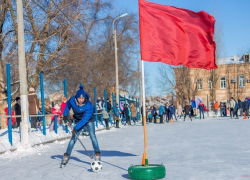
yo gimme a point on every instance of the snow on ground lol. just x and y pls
(214, 148)
(36, 137)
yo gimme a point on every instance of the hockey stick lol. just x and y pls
(91, 157)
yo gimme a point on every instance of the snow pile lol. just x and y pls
(20, 152)
(36, 137)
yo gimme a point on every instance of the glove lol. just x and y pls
(65, 118)
(74, 132)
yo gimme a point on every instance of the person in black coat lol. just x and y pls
(155, 112)
(246, 108)
(201, 109)
(167, 110)
(109, 107)
(17, 109)
(187, 110)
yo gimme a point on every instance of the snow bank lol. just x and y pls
(36, 137)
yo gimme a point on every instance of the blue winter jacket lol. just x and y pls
(82, 113)
(172, 109)
(236, 105)
(116, 111)
(161, 110)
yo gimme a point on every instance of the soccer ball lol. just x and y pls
(96, 166)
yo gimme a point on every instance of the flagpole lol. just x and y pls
(145, 171)
(144, 115)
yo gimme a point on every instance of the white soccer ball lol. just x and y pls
(96, 166)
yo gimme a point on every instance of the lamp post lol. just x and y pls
(116, 59)
(25, 139)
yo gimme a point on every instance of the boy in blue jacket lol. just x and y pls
(84, 119)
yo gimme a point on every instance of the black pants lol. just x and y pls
(154, 118)
(161, 118)
(231, 112)
(187, 115)
(33, 122)
(18, 121)
(168, 116)
(202, 114)
(236, 112)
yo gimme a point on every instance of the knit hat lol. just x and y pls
(80, 93)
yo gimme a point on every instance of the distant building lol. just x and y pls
(231, 79)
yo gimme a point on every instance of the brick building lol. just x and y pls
(231, 79)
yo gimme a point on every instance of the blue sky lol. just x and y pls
(231, 15)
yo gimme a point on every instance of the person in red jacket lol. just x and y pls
(56, 110)
(63, 105)
(13, 120)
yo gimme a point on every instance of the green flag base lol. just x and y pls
(152, 171)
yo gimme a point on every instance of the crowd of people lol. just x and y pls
(128, 113)
(167, 112)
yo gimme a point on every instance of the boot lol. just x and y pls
(98, 156)
(65, 159)
(117, 124)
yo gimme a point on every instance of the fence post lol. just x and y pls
(55, 123)
(119, 102)
(105, 98)
(113, 99)
(102, 119)
(110, 119)
(9, 103)
(65, 94)
(42, 99)
(96, 123)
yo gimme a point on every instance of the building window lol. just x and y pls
(199, 84)
(223, 84)
(242, 81)
(210, 84)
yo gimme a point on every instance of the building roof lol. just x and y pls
(230, 60)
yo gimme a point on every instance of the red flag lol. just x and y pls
(176, 36)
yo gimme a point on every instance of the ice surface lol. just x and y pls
(210, 149)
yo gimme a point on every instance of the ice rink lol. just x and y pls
(210, 149)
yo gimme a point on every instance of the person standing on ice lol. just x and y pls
(133, 112)
(187, 110)
(246, 108)
(172, 112)
(17, 108)
(84, 119)
(161, 112)
(201, 109)
(232, 107)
